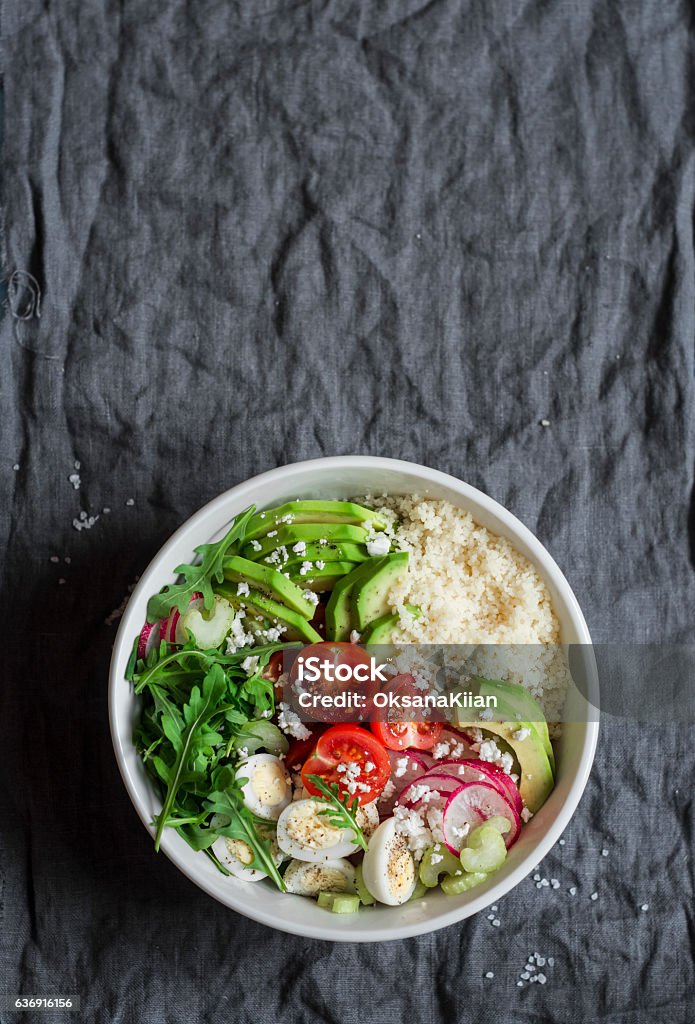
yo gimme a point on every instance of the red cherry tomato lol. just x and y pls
(353, 748)
(331, 657)
(389, 724)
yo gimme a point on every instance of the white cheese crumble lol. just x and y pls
(256, 545)
(379, 545)
(299, 548)
(250, 665)
(242, 589)
(310, 596)
(521, 734)
(289, 722)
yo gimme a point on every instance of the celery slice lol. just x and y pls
(363, 892)
(346, 903)
(484, 851)
(452, 885)
(436, 861)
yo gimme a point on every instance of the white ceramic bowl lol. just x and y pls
(342, 477)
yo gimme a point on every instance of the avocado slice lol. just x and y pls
(297, 628)
(286, 536)
(382, 629)
(316, 552)
(515, 703)
(536, 777)
(338, 610)
(269, 582)
(319, 580)
(369, 596)
(345, 512)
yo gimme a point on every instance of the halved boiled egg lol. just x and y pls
(388, 868)
(237, 856)
(311, 879)
(268, 789)
(306, 833)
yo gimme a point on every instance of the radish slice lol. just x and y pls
(406, 765)
(149, 636)
(169, 628)
(483, 771)
(452, 745)
(471, 805)
(427, 789)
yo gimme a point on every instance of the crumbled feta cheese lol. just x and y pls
(486, 715)
(256, 545)
(250, 665)
(521, 734)
(289, 722)
(379, 545)
(272, 533)
(310, 596)
(299, 548)
(526, 815)
(401, 766)
(320, 564)
(304, 568)
(489, 751)
(436, 858)
(355, 637)
(242, 589)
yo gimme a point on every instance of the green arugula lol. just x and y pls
(227, 800)
(342, 811)
(187, 740)
(198, 578)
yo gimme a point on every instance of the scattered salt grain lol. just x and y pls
(644, 908)
(54, 559)
(554, 883)
(74, 479)
(84, 522)
(604, 853)
(594, 896)
(572, 891)
(562, 842)
(489, 974)
(106, 511)
(61, 581)
(16, 467)
(130, 502)
(545, 423)
(496, 923)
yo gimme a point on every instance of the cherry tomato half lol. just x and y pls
(333, 665)
(391, 726)
(364, 762)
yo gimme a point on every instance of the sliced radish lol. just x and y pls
(452, 745)
(167, 627)
(149, 637)
(482, 771)
(427, 789)
(471, 805)
(406, 765)
(170, 629)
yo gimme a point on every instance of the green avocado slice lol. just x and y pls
(370, 596)
(325, 553)
(346, 512)
(339, 622)
(286, 536)
(319, 580)
(515, 703)
(269, 582)
(536, 778)
(381, 630)
(296, 627)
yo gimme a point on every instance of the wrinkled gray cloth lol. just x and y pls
(459, 233)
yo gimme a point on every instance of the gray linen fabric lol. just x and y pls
(454, 232)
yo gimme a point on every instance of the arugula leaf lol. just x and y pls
(196, 713)
(342, 811)
(229, 803)
(199, 577)
(259, 734)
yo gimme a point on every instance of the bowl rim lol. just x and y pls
(124, 640)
